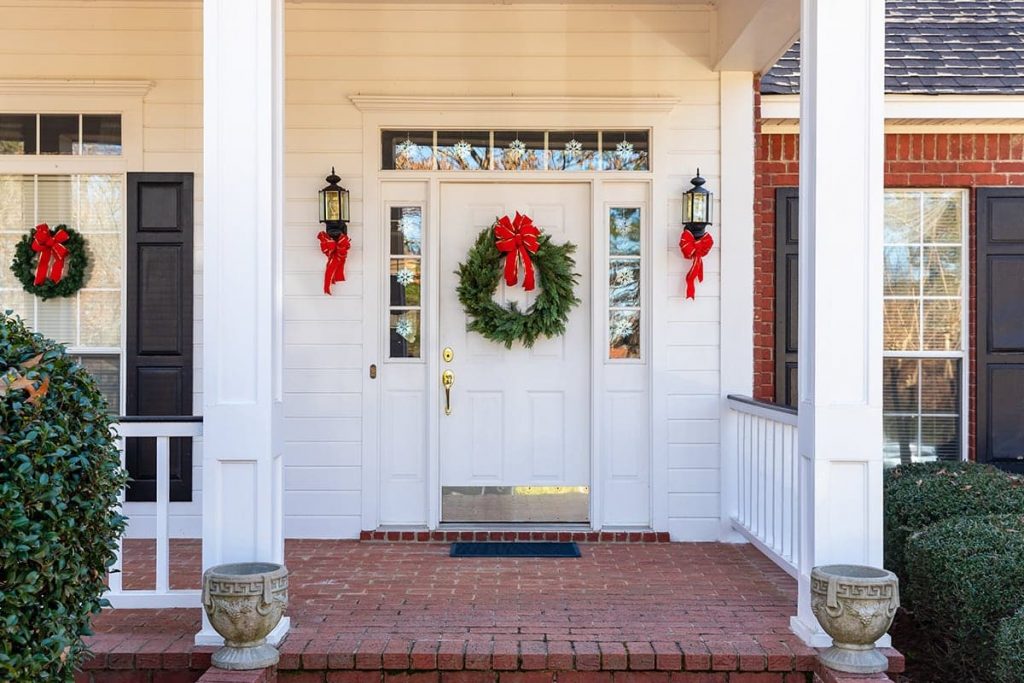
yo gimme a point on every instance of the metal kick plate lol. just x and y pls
(448, 354)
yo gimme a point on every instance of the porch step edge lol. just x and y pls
(564, 536)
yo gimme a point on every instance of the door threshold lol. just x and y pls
(451, 532)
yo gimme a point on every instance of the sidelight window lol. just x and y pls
(624, 300)
(405, 260)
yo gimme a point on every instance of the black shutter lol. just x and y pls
(159, 323)
(1000, 320)
(787, 231)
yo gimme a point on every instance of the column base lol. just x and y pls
(210, 637)
(811, 634)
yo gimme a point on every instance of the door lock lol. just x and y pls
(448, 354)
(447, 380)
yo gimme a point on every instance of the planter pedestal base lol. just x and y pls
(852, 659)
(243, 658)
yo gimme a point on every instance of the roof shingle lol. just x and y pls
(938, 47)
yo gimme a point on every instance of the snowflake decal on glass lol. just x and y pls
(620, 226)
(624, 149)
(405, 277)
(573, 148)
(462, 148)
(405, 146)
(624, 277)
(406, 329)
(516, 149)
(622, 328)
(410, 229)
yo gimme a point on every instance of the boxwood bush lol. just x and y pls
(59, 480)
(924, 493)
(1010, 649)
(966, 575)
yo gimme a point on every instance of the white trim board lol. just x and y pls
(991, 110)
(76, 88)
(441, 104)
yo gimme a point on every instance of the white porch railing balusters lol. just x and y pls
(767, 505)
(162, 429)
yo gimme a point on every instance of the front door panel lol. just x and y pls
(516, 445)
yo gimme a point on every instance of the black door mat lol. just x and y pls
(514, 549)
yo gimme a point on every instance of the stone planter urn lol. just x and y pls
(244, 603)
(855, 605)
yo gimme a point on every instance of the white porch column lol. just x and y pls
(243, 94)
(841, 174)
(735, 240)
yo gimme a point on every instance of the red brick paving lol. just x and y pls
(362, 610)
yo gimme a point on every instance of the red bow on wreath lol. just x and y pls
(48, 246)
(336, 251)
(517, 238)
(695, 250)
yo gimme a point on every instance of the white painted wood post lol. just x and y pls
(243, 91)
(841, 213)
(734, 238)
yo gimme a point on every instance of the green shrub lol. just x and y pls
(59, 480)
(924, 493)
(1010, 649)
(965, 576)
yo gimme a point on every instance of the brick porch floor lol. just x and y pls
(366, 611)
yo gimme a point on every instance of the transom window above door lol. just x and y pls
(62, 134)
(515, 150)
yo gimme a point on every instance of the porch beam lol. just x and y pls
(243, 91)
(753, 34)
(841, 217)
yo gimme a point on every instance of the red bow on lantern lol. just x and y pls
(517, 238)
(695, 249)
(336, 251)
(50, 246)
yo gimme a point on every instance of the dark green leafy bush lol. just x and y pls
(924, 493)
(1010, 649)
(59, 480)
(965, 576)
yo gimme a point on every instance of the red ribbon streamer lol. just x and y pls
(48, 246)
(695, 250)
(517, 238)
(336, 251)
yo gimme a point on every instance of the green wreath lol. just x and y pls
(26, 262)
(480, 275)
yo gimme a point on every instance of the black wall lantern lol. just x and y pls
(334, 207)
(697, 207)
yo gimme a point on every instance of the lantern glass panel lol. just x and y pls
(700, 207)
(345, 204)
(332, 205)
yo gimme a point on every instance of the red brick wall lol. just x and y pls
(919, 160)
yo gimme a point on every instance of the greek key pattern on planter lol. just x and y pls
(235, 587)
(844, 590)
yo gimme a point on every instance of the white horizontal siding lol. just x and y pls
(335, 50)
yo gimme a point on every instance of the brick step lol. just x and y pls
(453, 535)
(306, 660)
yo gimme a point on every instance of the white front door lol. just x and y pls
(516, 446)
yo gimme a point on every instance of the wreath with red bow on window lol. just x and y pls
(51, 264)
(497, 253)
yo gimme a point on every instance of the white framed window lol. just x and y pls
(925, 325)
(90, 322)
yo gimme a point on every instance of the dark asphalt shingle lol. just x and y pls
(938, 47)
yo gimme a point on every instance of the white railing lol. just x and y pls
(767, 469)
(163, 429)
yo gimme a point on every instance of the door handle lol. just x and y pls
(447, 379)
